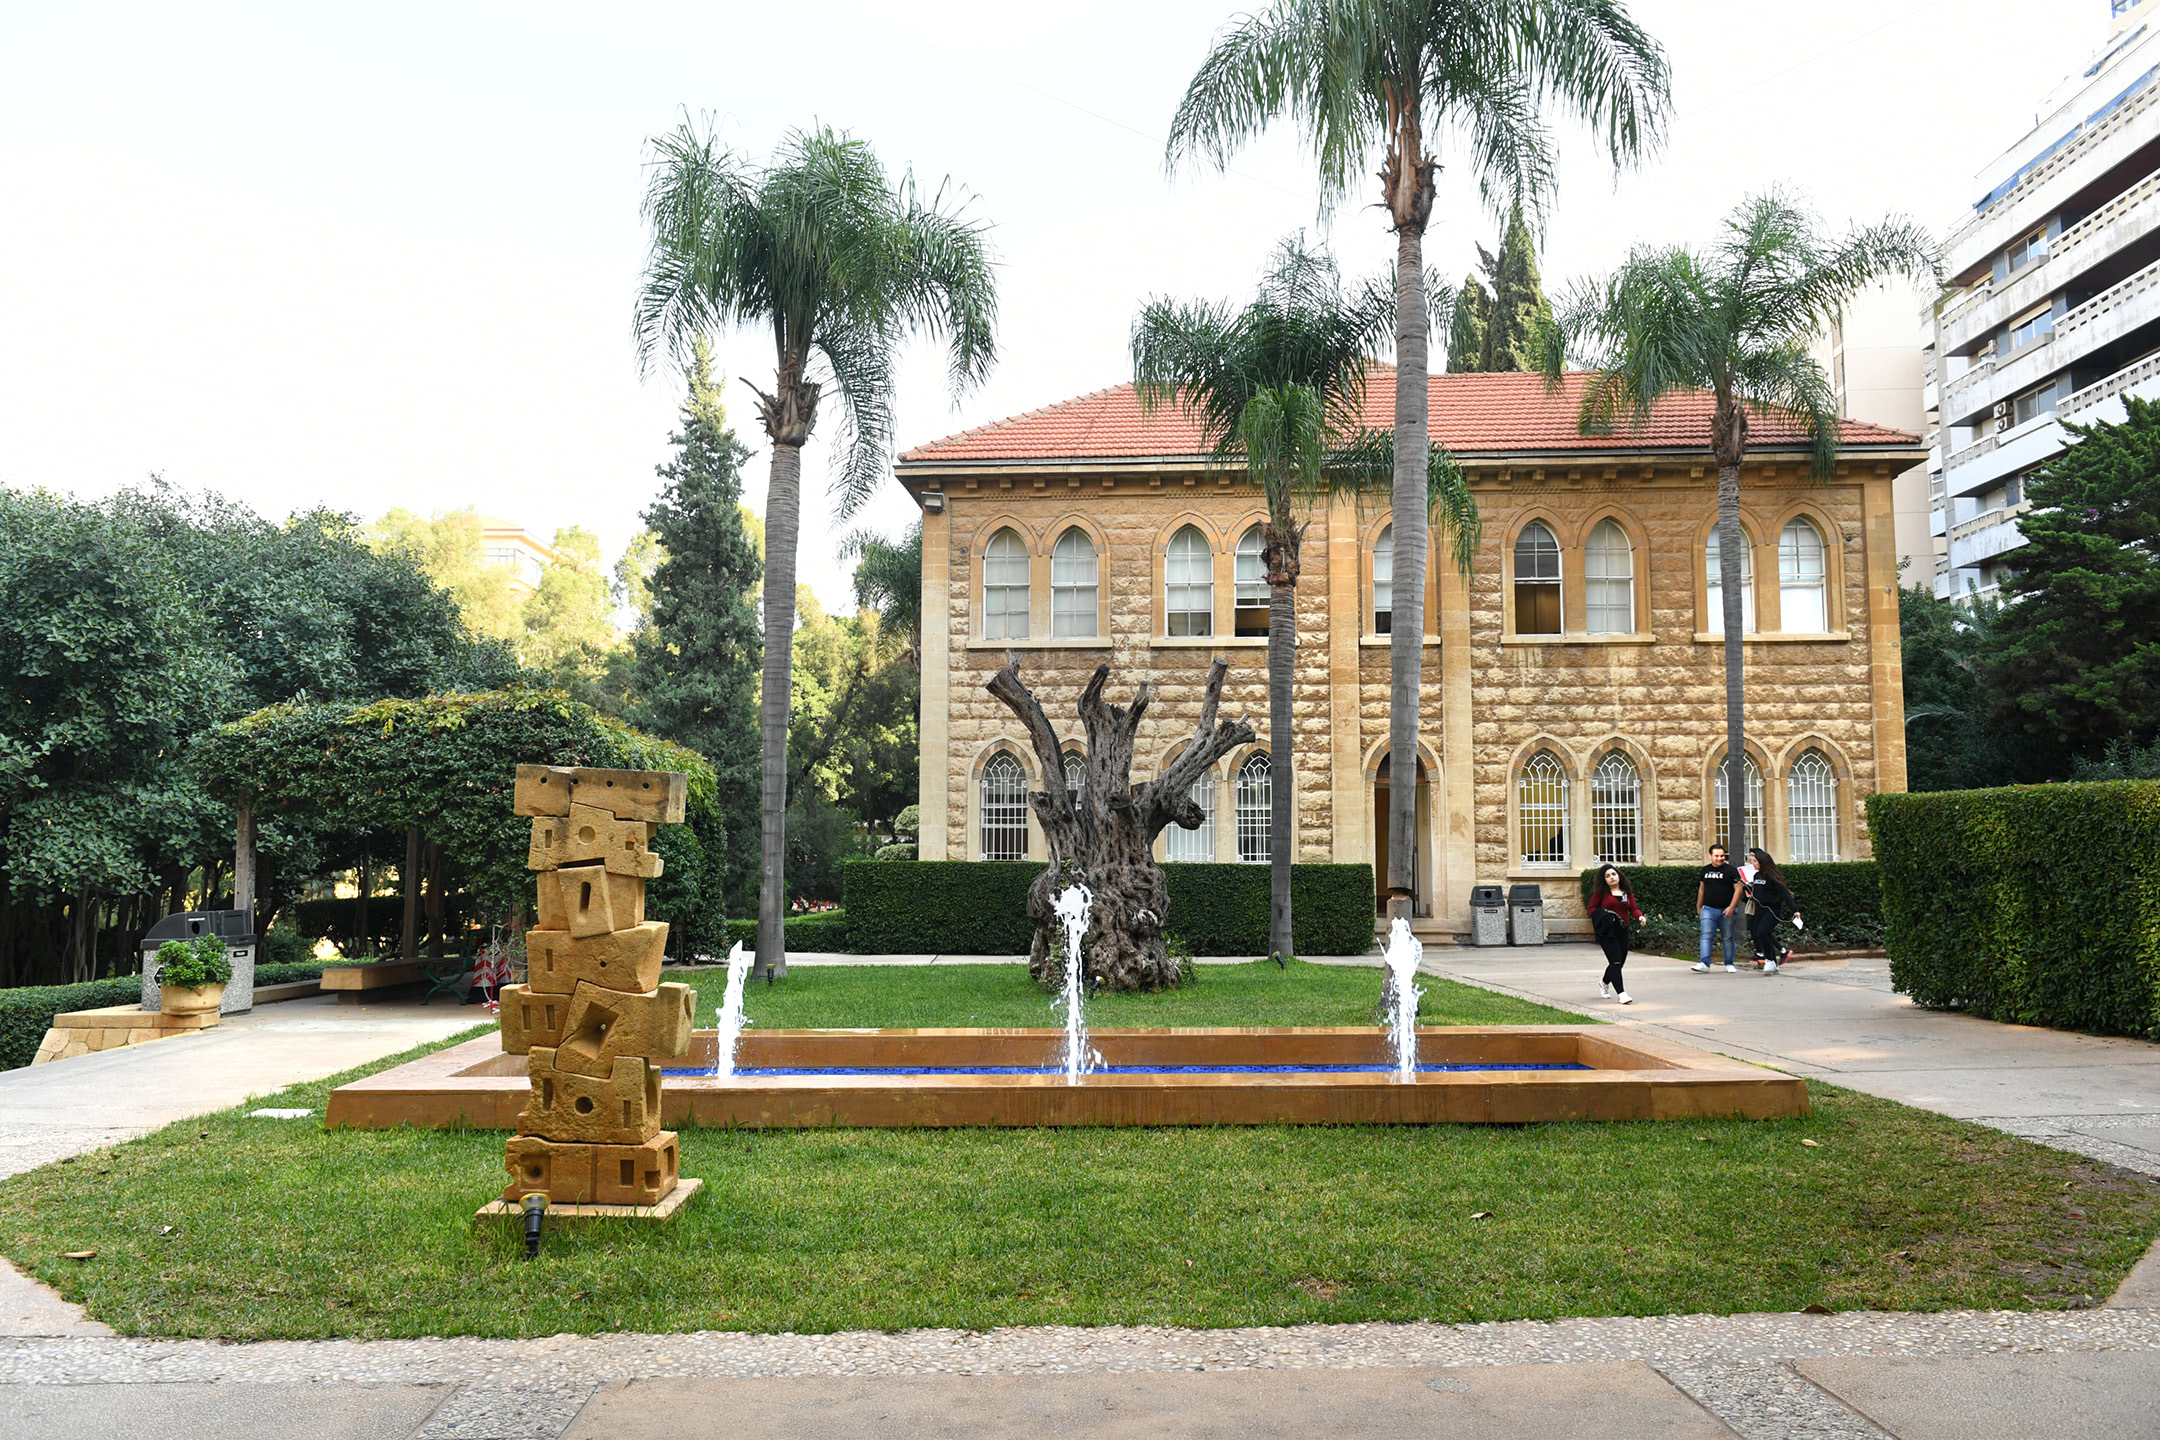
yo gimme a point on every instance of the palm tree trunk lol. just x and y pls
(1282, 783)
(783, 507)
(1406, 641)
(1730, 539)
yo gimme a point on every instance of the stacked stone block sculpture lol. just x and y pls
(592, 1017)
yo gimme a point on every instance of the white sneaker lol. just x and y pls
(1700, 967)
(1731, 969)
(1769, 967)
(1626, 999)
(1604, 989)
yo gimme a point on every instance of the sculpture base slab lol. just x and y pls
(557, 1215)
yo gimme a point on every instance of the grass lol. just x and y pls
(247, 1229)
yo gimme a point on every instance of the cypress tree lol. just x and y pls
(1466, 332)
(695, 665)
(1519, 305)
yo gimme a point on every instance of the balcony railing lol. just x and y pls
(2127, 378)
(2123, 116)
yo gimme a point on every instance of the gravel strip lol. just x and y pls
(2092, 1136)
(1770, 1401)
(505, 1412)
(1680, 1343)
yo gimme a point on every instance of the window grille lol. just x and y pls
(1189, 584)
(1537, 581)
(1182, 844)
(1383, 582)
(1005, 588)
(1801, 575)
(1714, 594)
(1616, 810)
(1255, 808)
(1811, 808)
(1075, 774)
(1609, 575)
(1250, 570)
(1004, 809)
(1074, 577)
(1723, 817)
(1541, 804)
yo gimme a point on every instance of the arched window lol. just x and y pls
(1182, 844)
(1801, 576)
(1189, 584)
(1383, 582)
(1541, 805)
(1616, 810)
(1005, 587)
(1075, 773)
(1250, 569)
(1609, 580)
(1004, 809)
(1722, 835)
(1714, 596)
(1811, 808)
(1537, 581)
(1255, 808)
(1074, 578)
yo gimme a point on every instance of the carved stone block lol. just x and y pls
(622, 960)
(530, 1018)
(563, 1173)
(636, 1174)
(621, 1109)
(541, 790)
(605, 1025)
(657, 796)
(588, 833)
(625, 899)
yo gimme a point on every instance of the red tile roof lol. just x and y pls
(1471, 415)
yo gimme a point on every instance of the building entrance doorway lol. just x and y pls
(1421, 826)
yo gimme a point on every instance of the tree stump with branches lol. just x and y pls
(1104, 836)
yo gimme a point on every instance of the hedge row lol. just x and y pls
(2036, 905)
(979, 907)
(26, 1012)
(1842, 903)
(823, 931)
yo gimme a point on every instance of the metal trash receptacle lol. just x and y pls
(1526, 915)
(230, 925)
(1488, 915)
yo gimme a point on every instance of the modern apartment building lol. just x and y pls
(1875, 356)
(2053, 310)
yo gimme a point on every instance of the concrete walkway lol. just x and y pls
(70, 1106)
(1840, 1021)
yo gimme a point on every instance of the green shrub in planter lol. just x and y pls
(191, 964)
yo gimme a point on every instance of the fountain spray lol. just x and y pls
(1072, 911)
(731, 1013)
(1403, 955)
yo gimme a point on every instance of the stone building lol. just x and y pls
(1573, 698)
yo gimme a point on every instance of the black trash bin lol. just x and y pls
(232, 926)
(1488, 915)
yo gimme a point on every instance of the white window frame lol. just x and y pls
(1075, 586)
(1542, 557)
(1803, 595)
(1720, 796)
(1609, 581)
(1189, 584)
(1541, 812)
(1188, 846)
(1811, 809)
(1005, 599)
(1714, 586)
(1616, 810)
(1383, 582)
(1255, 808)
(1002, 824)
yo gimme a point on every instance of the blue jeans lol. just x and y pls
(1713, 921)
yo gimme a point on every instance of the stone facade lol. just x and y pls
(1492, 698)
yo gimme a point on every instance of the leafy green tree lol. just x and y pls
(853, 733)
(447, 549)
(569, 634)
(839, 265)
(1951, 741)
(632, 590)
(2077, 658)
(888, 581)
(1401, 77)
(1278, 391)
(1739, 321)
(694, 667)
(1466, 331)
(1519, 310)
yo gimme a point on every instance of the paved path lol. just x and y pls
(70, 1106)
(1840, 1020)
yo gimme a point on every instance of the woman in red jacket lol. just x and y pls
(1612, 910)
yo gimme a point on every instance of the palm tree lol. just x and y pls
(1398, 76)
(1738, 321)
(1278, 389)
(842, 265)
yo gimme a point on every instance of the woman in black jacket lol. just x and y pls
(1773, 902)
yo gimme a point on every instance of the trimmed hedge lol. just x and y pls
(2036, 905)
(26, 1012)
(824, 930)
(979, 907)
(1842, 903)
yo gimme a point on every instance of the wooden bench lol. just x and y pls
(352, 980)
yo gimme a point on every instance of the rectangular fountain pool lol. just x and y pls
(1303, 1076)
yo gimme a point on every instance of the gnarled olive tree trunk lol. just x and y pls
(1104, 837)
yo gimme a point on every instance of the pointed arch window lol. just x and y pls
(1189, 584)
(1811, 808)
(1255, 808)
(1541, 808)
(1005, 587)
(1537, 581)
(1075, 580)
(1802, 580)
(1250, 569)
(1609, 580)
(1004, 809)
(1383, 582)
(1714, 595)
(1182, 844)
(1722, 818)
(1075, 774)
(1616, 810)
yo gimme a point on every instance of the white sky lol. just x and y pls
(384, 254)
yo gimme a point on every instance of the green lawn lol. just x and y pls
(279, 1229)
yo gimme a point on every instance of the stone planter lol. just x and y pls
(189, 999)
